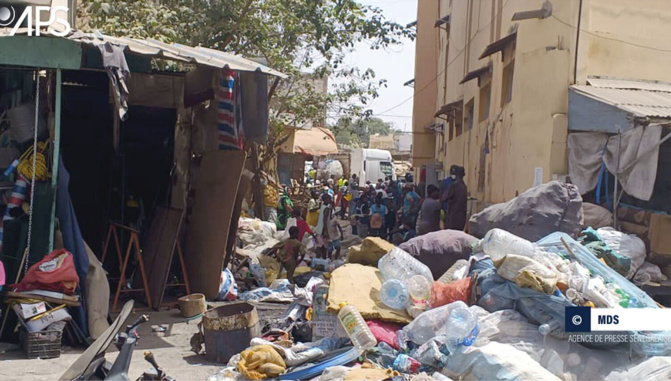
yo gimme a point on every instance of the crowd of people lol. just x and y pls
(390, 209)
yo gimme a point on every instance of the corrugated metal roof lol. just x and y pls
(177, 52)
(641, 103)
(617, 83)
(173, 52)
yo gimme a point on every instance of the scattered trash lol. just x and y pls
(403, 325)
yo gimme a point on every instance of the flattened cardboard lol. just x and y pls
(359, 286)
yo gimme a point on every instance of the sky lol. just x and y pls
(396, 65)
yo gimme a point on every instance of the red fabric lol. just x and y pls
(303, 228)
(446, 293)
(55, 272)
(384, 332)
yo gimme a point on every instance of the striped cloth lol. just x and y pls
(229, 134)
(19, 195)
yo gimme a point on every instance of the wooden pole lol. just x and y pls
(56, 157)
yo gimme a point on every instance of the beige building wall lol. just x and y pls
(528, 134)
(423, 140)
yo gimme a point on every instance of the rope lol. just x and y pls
(28, 163)
(34, 170)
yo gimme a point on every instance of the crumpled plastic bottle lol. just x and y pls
(461, 328)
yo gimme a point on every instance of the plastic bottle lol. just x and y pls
(549, 327)
(461, 328)
(419, 288)
(499, 243)
(386, 355)
(397, 264)
(430, 323)
(406, 364)
(356, 328)
(394, 294)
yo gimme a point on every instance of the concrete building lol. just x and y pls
(492, 80)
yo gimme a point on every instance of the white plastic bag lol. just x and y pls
(648, 272)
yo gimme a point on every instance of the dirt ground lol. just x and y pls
(171, 350)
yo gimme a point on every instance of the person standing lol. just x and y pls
(457, 200)
(444, 185)
(312, 217)
(322, 230)
(429, 218)
(345, 198)
(378, 214)
(303, 226)
(362, 213)
(284, 209)
(411, 206)
(335, 238)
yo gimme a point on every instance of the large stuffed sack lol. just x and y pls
(545, 209)
(440, 250)
(596, 216)
(55, 272)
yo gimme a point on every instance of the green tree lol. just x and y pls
(297, 37)
(357, 132)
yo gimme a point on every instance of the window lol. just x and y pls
(387, 168)
(450, 128)
(458, 123)
(484, 101)
(470, 112)
(507, 88)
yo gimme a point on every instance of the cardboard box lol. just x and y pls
(660, 239)
(40, 322)
(28, 310)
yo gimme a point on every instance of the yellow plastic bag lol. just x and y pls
(260, 362)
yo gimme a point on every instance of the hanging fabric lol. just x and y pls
(227, 128)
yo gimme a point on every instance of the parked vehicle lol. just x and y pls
(371, 164)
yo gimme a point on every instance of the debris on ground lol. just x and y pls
(497, 310)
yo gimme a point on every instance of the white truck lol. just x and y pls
(371, 164)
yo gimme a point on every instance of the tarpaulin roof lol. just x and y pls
(317, 141)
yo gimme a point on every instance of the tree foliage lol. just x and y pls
(296, 37)
(356, 133)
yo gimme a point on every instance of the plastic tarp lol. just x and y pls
(566, 360)
(647, 343)
(638, 157)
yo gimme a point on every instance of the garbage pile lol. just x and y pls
(496, 313)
